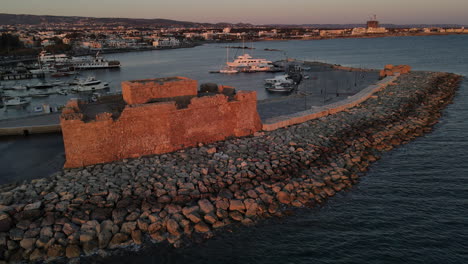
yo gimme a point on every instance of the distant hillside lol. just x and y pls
(12, 19)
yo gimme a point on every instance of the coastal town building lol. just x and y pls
(83, 36)
(166, 42)
(91, 45)
(333, 32)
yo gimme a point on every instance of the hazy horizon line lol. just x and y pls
(233, 23)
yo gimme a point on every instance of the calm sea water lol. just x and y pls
(411, 207)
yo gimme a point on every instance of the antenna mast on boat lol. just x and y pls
(227, 54)
(243, 43)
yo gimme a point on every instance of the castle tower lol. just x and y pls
(373, 23)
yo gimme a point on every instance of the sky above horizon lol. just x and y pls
(254, 11)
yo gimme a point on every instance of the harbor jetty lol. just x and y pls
(190, 194)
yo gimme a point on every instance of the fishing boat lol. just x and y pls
(228, 70)
(16, 101)
(281, 83)
(62, 92)
(16, 87)
(90, 84)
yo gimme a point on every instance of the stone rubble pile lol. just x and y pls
(187, 195)
(391, 70)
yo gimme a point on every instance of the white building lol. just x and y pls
(379, 30)
(91, 44)
(371, 30)
(359, 31)
(166, 42)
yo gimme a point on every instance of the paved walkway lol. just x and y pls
(321, 89)
(38, 120)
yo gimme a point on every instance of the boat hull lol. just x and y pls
(90, 88)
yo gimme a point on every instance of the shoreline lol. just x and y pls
(201, 43)
(235, 181)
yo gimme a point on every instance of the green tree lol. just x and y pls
(9, 42)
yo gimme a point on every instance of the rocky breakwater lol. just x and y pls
(187, 195)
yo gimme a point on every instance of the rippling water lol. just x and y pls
(411, 207)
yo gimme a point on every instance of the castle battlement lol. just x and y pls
(155, 116)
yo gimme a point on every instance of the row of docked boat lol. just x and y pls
(89, 84)
(15, 101)
(60, 65)
(79, 84)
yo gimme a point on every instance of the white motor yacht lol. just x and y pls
(16, 101)
(90, 84)
(19, 87)
(85, 62)
(47, 58)
(43, 70)
(97, 62)
(248, 63)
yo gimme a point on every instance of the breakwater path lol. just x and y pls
(186, 195)
(49, 123)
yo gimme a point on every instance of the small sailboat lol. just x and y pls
(228, 69)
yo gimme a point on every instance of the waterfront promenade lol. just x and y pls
(39, 124)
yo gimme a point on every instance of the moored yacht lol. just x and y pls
(43, 70)
(97, 62)
(281, 83)
(61, 61)
(90, 84)
(16, 87)
(46, 58)
(16, 101)
(247, 62)
(228, 70)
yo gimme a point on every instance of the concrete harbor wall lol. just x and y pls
(40, 124)
(28, 130)
(191, 194)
